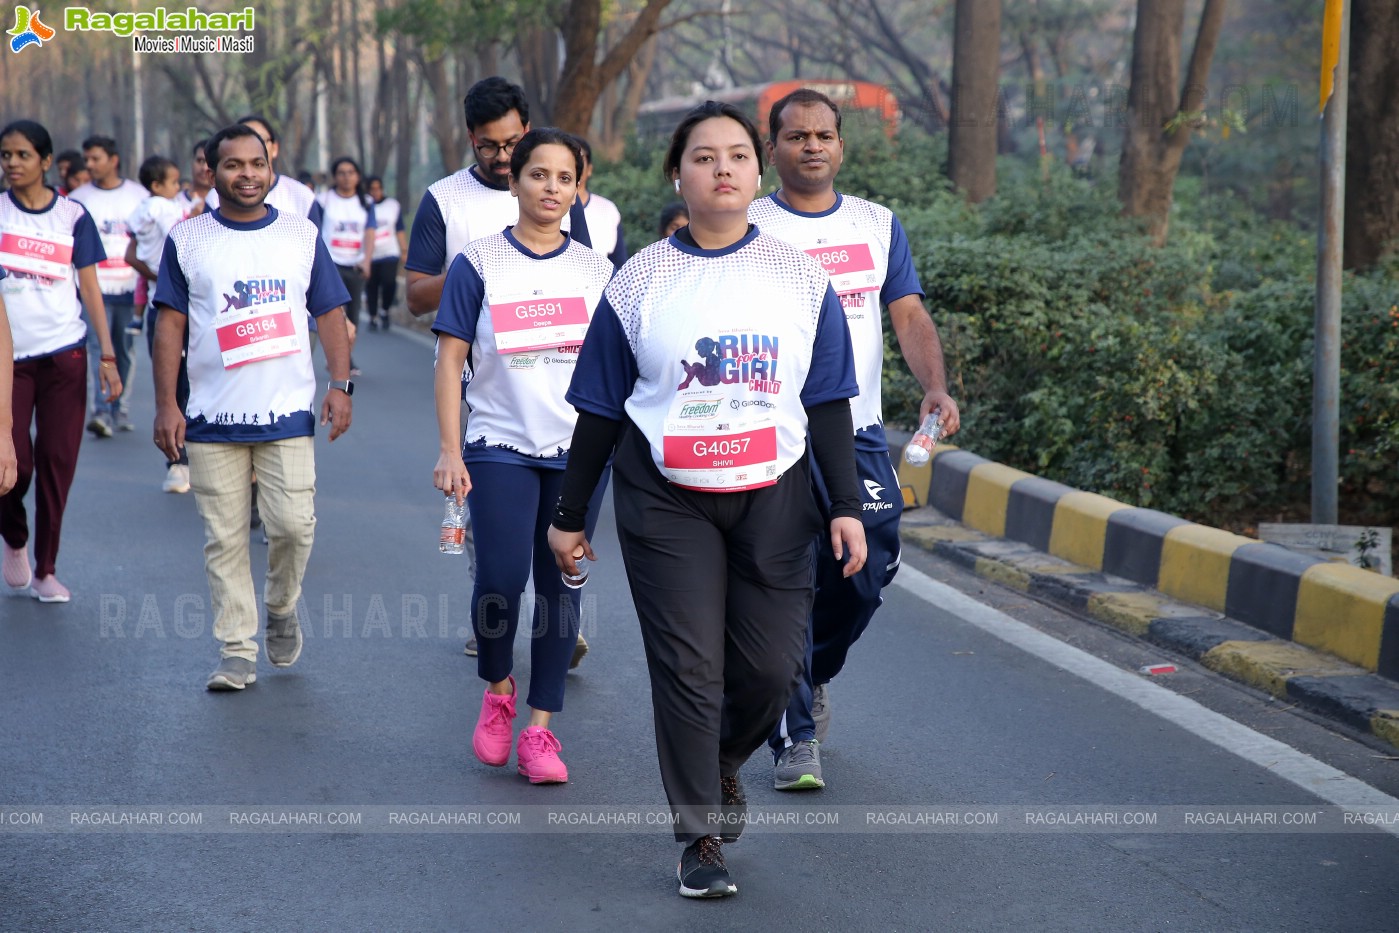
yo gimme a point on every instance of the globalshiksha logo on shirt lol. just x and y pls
(29, 29)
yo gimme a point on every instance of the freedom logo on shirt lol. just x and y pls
(700, 408)
(734, 358)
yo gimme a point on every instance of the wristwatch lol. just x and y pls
(344, 385)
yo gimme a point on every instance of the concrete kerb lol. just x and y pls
(1171, 582)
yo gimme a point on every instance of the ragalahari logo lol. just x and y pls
(29, 30)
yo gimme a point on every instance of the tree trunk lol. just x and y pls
(537, 51)
(624, 117)
(356, 84)
(976, 63)
(407, 117)
(450, 143)
(584, 77)
(1372, 135)
(1159, 110)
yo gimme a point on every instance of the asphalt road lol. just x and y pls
(105, 713)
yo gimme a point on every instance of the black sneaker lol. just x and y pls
(702, 872)
(735, 808)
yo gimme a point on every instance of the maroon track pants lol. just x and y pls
(51, 393)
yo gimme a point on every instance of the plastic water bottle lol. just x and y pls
(453, 540)
(576, 582)
(920, 450)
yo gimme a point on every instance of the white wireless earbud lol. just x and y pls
(677, 186)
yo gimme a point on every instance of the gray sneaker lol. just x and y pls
(799, 767)
(283, 639)
(101, 424)
(821, 712)
(232, 674)
(470, 650)
(123, 422)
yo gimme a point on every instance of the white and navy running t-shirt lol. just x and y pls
(454, 211)
(345, 222)
(715, 356)
(41, 251)
(247, 289)
(109, 208)
(863, 248)
(287, 195)
(388, 216)
(605, 228)
(525, 316)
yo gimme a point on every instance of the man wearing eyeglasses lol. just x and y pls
(473, 202)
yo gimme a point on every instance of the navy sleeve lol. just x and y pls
(462, 294)
(87, 243)
(902, 277)
(606, 372)
(578, 223)
(619, 254)
(369, 220)
(316, 215)
(832, 373)
(427, 245)
(171, 286)
(327, 290)
(398, 224)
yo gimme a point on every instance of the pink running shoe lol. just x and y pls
(49, 590)
(16, 567)
(537, 757)
(495, 728)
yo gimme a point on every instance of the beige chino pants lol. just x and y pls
(220, 475)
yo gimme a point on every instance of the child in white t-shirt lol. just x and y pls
(150, 222)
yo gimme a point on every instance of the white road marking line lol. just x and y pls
(1276, 757)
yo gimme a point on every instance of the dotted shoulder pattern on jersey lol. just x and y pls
(651, 283)
(63, 217)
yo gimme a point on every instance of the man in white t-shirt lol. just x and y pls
(863, 249)
(473, 202)
(110, 199)
(200, 183)
(604, 220)
(242, 280)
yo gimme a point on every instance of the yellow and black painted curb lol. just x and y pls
(1320, 634)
